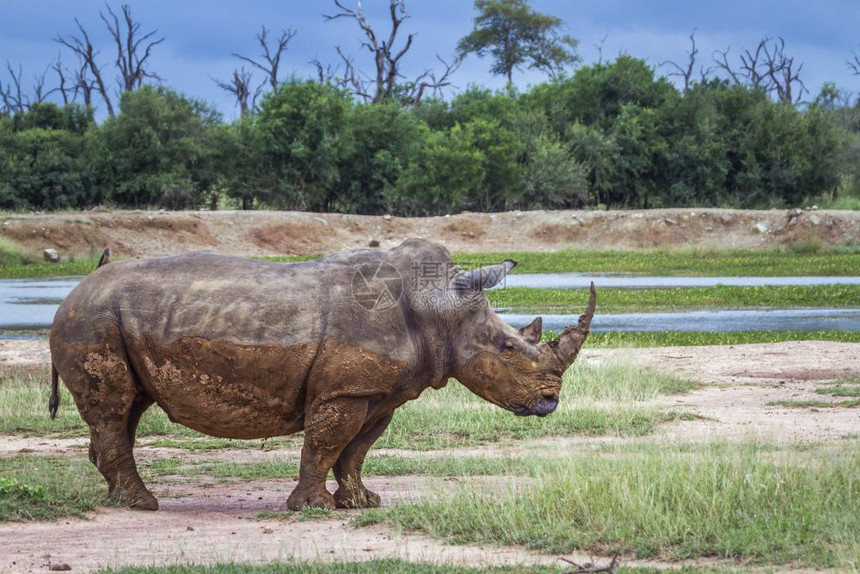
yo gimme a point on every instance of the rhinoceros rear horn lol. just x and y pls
(483, 277)
(572, 338)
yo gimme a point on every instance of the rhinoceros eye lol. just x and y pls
(509, 345)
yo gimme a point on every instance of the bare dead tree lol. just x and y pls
(40, 91)
(240, 87)
(83, 48)
(84, 85)
(271, 56)
(854, 63)
(784, 78)
(64, 90)
(326, 73)
(12, 94)
(599, 45)
(386, 83)
(767, 68)
(686, 72)
(132, 50)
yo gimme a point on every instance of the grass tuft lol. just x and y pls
(38, 487)
(612, 399)
(815, 404)
(739, 502)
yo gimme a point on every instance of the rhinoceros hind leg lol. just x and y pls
(351, 492)
(111, 402)
(110, 451)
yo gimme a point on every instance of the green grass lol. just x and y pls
(594, 401)
(739, 502)
(842, 388)
(386, 565)
(815, 404)
(611, 399)
(12, 254)
(695, 338)
(38, 487)
(803, 259)
(15, 263)
(573, 301)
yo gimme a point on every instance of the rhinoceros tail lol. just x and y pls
(54, 401)
(105, 258)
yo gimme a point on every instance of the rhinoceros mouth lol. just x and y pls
(542, 408)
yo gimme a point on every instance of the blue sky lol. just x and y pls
(200, 35)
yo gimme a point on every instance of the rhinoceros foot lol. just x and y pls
(356, 498)
(135, 499)
(301, 498)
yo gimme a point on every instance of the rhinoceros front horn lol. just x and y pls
(571, 339)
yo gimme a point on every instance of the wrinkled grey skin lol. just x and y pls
(249, 349)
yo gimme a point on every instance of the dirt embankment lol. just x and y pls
(148, 233)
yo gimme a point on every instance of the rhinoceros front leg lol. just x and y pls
(329, 427)
(351, 492)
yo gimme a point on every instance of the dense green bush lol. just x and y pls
(612, 135)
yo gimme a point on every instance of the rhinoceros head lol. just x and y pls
(506, 366)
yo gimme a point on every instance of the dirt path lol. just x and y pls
(145, 233)
(205, 522)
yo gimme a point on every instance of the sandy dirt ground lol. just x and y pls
(205, 521)
(147, 233)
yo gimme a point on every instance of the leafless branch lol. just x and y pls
(429, 81)
(40, 92)
(687, 72)
(386, 82)
(599, 45)
(83, 48)
(271, 56)
(57, 66)
(854, 63)
(592, 569)
(326, 74)
(132, 51)
(12, 94)
(723, 64)
(767, 68)
(240, 87)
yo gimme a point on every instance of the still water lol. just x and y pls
(29, 304)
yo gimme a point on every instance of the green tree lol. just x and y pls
(439, 180)
(386, 137)
(304, 131)
(43, 159)
(157, 150)
(513, 34)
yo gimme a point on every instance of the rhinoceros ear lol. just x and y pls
(483, 277)
(532, 332)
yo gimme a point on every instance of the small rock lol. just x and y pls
(51, 255)
(668, 221)
(761, 227)
(814, 220)
(267, 531)
(373, 243)
(60, 567)
(387, 217)
(190, 529)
